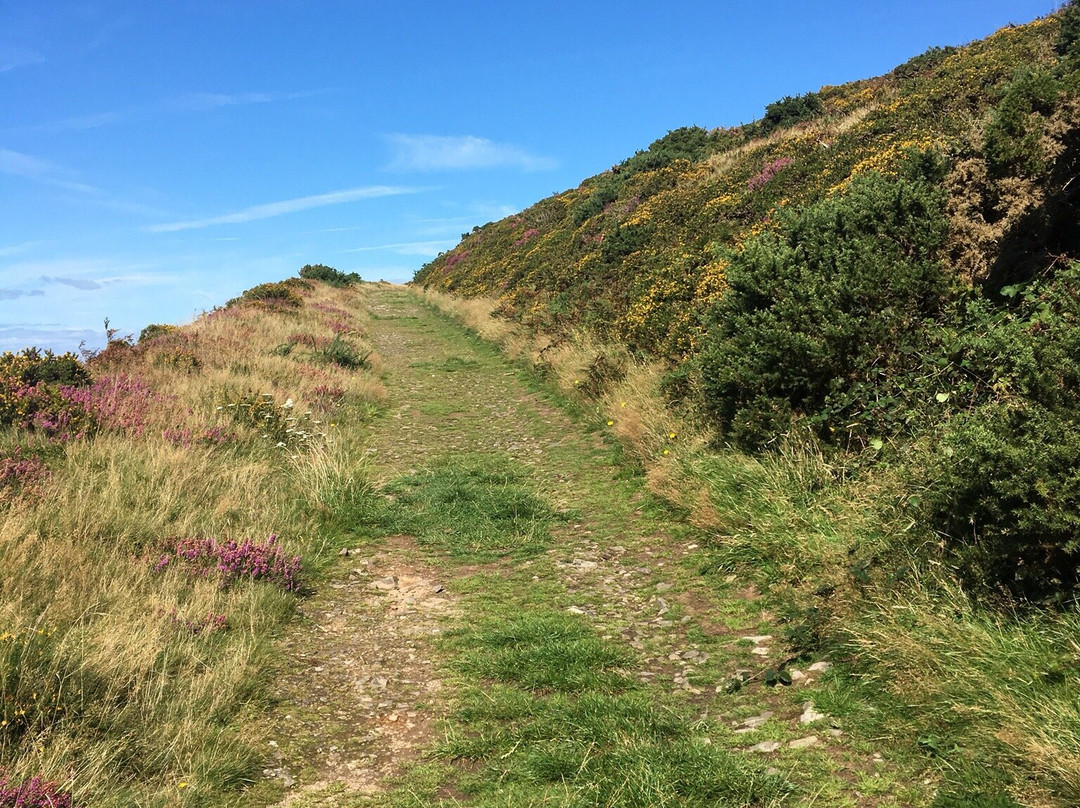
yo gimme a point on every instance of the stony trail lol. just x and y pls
(363, 685)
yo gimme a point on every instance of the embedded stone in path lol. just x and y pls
(750, 724)
(810, 715)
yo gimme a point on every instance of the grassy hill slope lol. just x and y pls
(640, 252)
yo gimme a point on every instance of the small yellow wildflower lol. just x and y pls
(611, 423)
(671, 435)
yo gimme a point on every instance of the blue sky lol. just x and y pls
(156, 159)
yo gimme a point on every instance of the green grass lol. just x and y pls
(549, 711)
(474, 509)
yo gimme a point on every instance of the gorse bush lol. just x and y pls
(155, 330)
(819, 312)
(1005, 487)
(1007, 500)
(279, 293)
(1016, 135)
(321, 272)
(791, 110)
(31, 366)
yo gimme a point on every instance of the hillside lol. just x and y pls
(641, 252)
(886, 268)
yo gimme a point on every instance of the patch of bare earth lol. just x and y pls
(359, 681)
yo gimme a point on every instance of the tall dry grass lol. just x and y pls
(125, 682)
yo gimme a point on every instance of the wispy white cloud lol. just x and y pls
(189, 102)
(198, 102)
(15, 294)
(57, 338)
(424, 248)
(35, 168)
(272, 209)
(453, 152)
(12, 57)
(46, 172)
(84, 274)
(85, 284)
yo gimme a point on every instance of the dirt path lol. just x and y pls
(362, 683)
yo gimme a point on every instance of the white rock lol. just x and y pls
(750, 724)
(765, 746)
(810, 715)
(802, 743)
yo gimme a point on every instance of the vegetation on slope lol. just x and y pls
(160, 507)
(880, 262)
(862, 311)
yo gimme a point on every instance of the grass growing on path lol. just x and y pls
(473, 509)
(555, 712)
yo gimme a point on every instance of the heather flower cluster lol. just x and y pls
(233, 561)
(456, 258)
(309, 340)
(36, 402)
(768, 172)
(33, 793)
(327, 396)
(531, 233)
(21, 474)
(119, 403)
(326, 308)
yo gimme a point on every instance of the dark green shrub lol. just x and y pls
(321, 272)
(1069, 33)
(686, 143)
(1004, 488)
(925, 61)
(342, 353)
(625, 240)
(279, 293)
(156, 330)
(819, 313)
(1014, 136)
(791, 110)
(1007, 498)
(606, 192)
